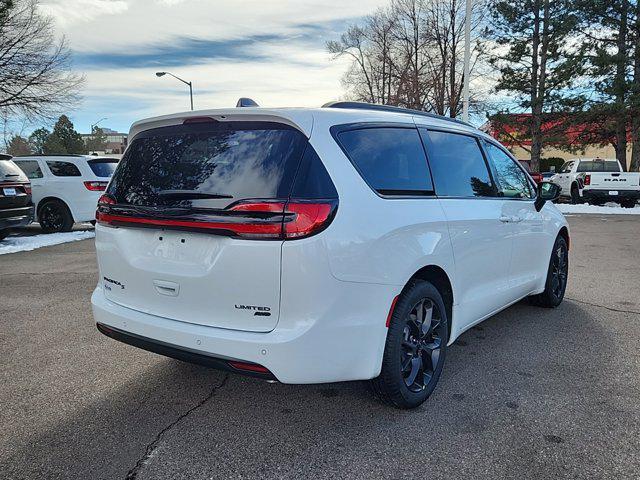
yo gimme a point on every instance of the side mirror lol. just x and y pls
(547, 192)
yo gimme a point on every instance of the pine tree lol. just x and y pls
(64, 139)
(535, 60)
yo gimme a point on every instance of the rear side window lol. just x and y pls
(63, 169)
(457, 165)
(211, 165)
(390, 159)
(103, 167)
(312, 180)
(30, 168)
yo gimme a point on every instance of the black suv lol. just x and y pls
(16, 207)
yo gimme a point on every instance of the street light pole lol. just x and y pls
(162, 74)
(94, 125)
(467, 60)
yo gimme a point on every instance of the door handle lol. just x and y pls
(516, 219)
(505, 219)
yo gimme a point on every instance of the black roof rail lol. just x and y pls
(390, 108)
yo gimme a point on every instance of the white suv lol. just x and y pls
(66, 188)
(319, 245)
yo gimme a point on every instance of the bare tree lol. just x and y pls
(36, 80)
(409, 54)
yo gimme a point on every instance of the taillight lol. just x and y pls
(96, 186)
(27, 188)
(587, 179)
(262, 220)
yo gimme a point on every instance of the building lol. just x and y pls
(116, 142)
(513, 132)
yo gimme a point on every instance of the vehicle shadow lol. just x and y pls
(519, 393)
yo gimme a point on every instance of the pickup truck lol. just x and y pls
(597, 181)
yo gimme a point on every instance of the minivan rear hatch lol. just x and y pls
(192, 223)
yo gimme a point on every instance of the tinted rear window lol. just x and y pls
(10, 171)
(598, 166)
(391, 160)
(238, 160)
(103, 167)
(30, 168)
(63, 169)
(458, 166)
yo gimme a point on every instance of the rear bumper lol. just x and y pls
(599, 194)
(16, 217)
(329, 348)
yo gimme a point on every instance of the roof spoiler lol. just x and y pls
(246, 102)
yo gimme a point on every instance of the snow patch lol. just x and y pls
(23, 244)
(607, 209)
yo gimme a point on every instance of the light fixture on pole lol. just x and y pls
(467, 61)
(162, 74)
(94, 125)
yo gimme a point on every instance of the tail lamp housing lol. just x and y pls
(96, 186)
(587, 179)
(250, 219)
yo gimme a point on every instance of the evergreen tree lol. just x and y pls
(64, 139)
(535, 59)
(97, 142)
(37, 140)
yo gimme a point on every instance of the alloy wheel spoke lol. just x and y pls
(416, 365)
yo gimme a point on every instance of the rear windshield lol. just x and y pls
(103, 167)
(598, 166)
(225, 161)
(10, 171)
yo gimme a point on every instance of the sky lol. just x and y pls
(270, 50)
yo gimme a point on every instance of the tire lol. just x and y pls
(556, 283)
(54, 216)
(411, 366)
(575, 195)
(4, 233)
(628, 203)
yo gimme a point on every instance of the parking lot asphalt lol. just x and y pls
(530, 393)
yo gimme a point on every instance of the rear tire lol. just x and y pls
(575, 195)
(54, 216)
(557, 276)
(415, 350)
(630, 203)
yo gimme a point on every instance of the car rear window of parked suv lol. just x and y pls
(63, 169)
(457, 165)
(9, 171)
(391, 160)
(30, 168)
(103, 167)
(224, 162)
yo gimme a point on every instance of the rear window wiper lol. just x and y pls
(12, 175)
(190, 195)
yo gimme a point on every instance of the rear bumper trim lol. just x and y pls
(179, 353)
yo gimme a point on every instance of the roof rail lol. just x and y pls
(390, 108)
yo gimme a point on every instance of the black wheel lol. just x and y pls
(54, 216)
(628, 203)
(4, 233)
(575, 194)
(557, 274)
(416, 347)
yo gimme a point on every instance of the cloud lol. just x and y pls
(271, 51)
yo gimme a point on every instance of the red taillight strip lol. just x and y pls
(246, 228)
(96, 186)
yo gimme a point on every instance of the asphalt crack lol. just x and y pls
(133, 473)
(619, 310)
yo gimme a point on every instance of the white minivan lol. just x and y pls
(341, 243)
(66, 188)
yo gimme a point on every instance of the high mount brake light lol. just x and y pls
(264, 219)
(96, 186)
